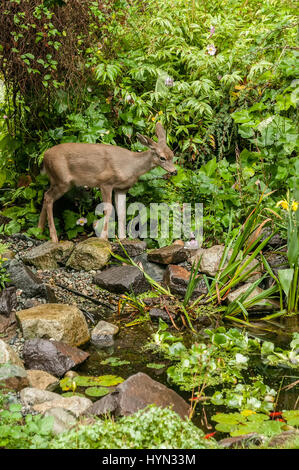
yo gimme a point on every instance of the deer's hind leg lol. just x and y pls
(55, 192)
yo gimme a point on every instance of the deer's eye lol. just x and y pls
(163, 159)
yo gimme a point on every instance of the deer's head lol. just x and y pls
(162, 155)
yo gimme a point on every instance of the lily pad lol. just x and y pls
(97, 391)
(155, 366)
(72, 394)
(114, 362)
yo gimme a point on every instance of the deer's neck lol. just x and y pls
(144, 162)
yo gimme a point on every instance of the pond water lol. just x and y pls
(129, 346)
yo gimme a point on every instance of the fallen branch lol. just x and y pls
(96, 301)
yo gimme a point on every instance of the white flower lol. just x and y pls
(240, 359)
(211, 49)
(82, 221)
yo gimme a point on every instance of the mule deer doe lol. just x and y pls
(103, 166)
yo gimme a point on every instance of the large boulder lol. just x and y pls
(91, 254)
(172, 254)
(52, 356)
(103, 334)
(60, 322)
(121, 279)
(137, 392)
(24, 279)
(49, 255)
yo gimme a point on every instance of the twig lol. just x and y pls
(171, 319)
(97, 302)
(89, 315)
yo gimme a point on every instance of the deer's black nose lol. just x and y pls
(173, 173)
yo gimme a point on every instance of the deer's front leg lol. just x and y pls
(107, 199)
(120, 202)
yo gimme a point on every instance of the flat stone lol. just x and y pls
(172, 254)
(42, 380)
(13, 377)
(266, 304)
(33, 396)
(63, 419)
(241, 441)
(177, 278)
(137, 392)
(60, 322)
(157, 313)
(52, 356)
(133, 247)
(103, 333)
(8, 355)
(91, 254)
(121, 279)
(49, 255)
(76, 405)
(23, 278)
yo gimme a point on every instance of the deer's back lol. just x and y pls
(85, 164)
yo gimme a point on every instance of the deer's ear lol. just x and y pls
(146, 141)
(160, 131)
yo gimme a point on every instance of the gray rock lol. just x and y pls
(60, 322)
(91, 254)
(52, 356)
(137, 392)
(121, 279)
(33, 396)
(283, 438)
(241, 441)
(63, 420)
(157, 313)
(211, 257)
(8, 355)
(49, 255)
(13, 377)
(103, 334)
(76, 405)
(154, 270)
(133, 247)
(8, 301)
(23, 278)
(266, 304)
(172, 254)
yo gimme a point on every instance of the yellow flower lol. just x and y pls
(295, 205)
(248, 412)
(284, 204)
(160, 112)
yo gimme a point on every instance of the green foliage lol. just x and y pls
(152, 428)
(238, 424)
(275, 356)
(31, 432)
(256, 396)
